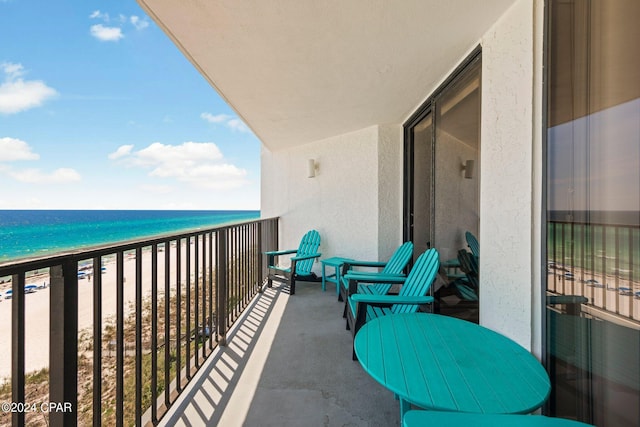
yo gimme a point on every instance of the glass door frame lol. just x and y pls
(427, 108)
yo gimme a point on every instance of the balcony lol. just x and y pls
(178, 330)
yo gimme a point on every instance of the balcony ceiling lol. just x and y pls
(300, 71)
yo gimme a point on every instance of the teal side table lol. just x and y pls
(335, 263)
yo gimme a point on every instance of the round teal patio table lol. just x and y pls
(447, 364)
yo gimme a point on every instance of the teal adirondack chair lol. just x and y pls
(363, 307)
(301, 263)
(474, 246)
(468, 286)
(394, 266)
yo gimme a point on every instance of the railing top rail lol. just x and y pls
(28, 264)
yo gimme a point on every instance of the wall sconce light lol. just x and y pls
(312, 168)
(468, 167)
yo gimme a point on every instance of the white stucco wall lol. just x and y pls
(354, 201)
(390, 149)
(510, 171)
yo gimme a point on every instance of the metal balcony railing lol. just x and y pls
(188, 290)
(597, 261)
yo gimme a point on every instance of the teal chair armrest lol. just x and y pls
(301, 257)
(450, 263)
(357, 263)
(390, 299)
(285, 252)
(375, 278)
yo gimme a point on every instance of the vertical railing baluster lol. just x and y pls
(572, 255)
(617, 245)
(232, 260)
(603, 243)
(120, 339)
(247, 280)
(562, 249)
(630, 277)
(221, 285)
(97, 341)
(63, 326)
(197, 303)
(554, 233)
(188, 312)
(167, 323)
(138, 336)
(204, 297)
(259, 251)
(154, 333)
(178, 315)
(239, 285)
(231, 263)
(583, 265)
(211, 270)
(631, 255)
(17, 345)
(593, 259)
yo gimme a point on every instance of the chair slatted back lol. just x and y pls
(469, 265)
(308, 245)
(396, 264)
(419, 280)
(473, 243)
(399, 259)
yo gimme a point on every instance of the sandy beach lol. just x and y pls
(37, 306)
(609, 292)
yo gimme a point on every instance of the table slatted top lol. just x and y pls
(443, 363)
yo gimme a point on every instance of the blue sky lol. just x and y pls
(594, 161)
(99, 110)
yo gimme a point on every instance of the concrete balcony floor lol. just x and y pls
(287, 363)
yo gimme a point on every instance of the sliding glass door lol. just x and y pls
(442, 172)
(593, 210)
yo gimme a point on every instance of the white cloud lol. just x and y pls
(237, 125)
(12, 149)
(185, 155)
(17, 94)
(106, 34)
(12, 71)
(140, 24)
(96, 14)
(231, 122)
(219, 118)
(196, 163)
(122, 151)
(36, 176)
(114, 32)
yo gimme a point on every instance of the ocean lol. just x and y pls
(29, 233)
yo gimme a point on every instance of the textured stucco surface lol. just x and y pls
(354, 201)
(389, 189)
(507, 176)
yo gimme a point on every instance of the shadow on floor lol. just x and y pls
(288, 363)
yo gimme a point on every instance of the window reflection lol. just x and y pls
(593, 218)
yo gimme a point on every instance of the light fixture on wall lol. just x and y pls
(468, 167)
(312, 168)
